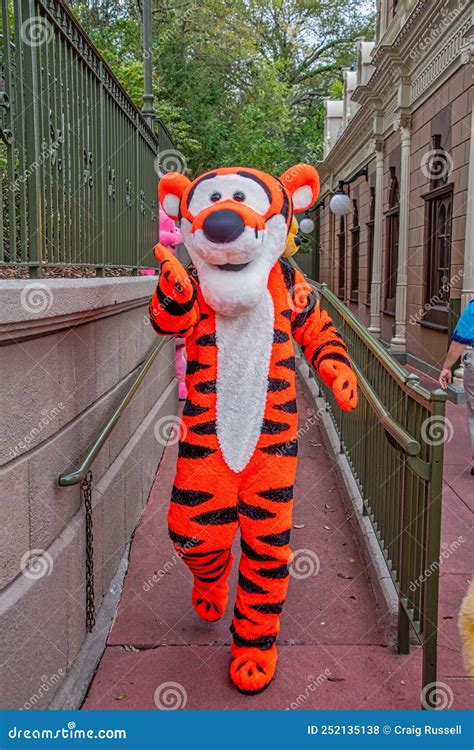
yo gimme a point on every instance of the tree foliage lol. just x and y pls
(236, 81)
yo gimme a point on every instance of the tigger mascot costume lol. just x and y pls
(238, 307)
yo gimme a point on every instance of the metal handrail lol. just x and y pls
(91, 452)
(406, 441)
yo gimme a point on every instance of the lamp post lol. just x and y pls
(148, 109)
(340, 203)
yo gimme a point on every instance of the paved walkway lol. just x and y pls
(333, 651)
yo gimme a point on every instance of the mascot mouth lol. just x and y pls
(230, 266)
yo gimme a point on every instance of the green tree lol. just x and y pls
(236, 81)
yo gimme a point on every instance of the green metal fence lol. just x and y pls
(77, 157)
(394, 443)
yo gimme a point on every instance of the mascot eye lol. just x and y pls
(239, 196)
(216, 197)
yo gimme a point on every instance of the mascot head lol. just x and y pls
(235, 222)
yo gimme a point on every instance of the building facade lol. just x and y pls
(403, 258)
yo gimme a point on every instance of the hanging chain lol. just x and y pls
(86, 487)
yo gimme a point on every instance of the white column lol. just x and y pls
(376, 280)
(468, 276)
(398, 343)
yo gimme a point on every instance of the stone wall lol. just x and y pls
(69, 351)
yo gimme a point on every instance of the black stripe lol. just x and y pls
(209, 339)
(289, 448)
(204, 428)
(264, 642)
(320, 348)
(273, 428)
(191, 555)
(326, 326)
(256, 179)
(253, 554)
(249, 586)
(254, 512)
(280, 337)
(217, 517)
(198, 182)
(280, 572)
(184, 541)
(193, 410)
(277, 540)
(290, 407)
(240, 616)
(193, 365)
(188, 450)
(202, 566)
(278, 494)
(213, 575)
(174, 307)
(287, 314)
(277, 384)
(288, 274)
(189, 497)
(209, 386)
(268, 609)
(300, 319)
(337, 357)
(162, 331)
(289, 362)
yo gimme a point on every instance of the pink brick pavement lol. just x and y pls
(333, 651)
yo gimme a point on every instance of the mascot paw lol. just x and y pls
(252, 670)
(344, 388)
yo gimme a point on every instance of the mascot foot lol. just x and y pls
(252, 670)
(210, 604)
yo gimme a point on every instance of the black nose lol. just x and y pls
(223, 226)
(297, 240)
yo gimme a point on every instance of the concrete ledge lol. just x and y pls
(379, 577)
(35, 308)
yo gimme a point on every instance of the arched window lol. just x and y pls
(355, 245)
(370, 243)
(438, 224)
(341, 243)
(393, 231)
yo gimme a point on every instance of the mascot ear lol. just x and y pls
(170, 191)
(302, 182)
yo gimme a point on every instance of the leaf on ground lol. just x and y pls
(341, 575)
(121, 697)
(131, 648)
(351, 560)
(299, 525)
(328, 507)
(328, 528)
(336, 679)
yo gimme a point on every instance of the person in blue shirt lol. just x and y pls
(462, 343)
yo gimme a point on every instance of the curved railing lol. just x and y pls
(77, 157)
(394, 444)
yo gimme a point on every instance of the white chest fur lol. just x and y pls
(243, 360)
